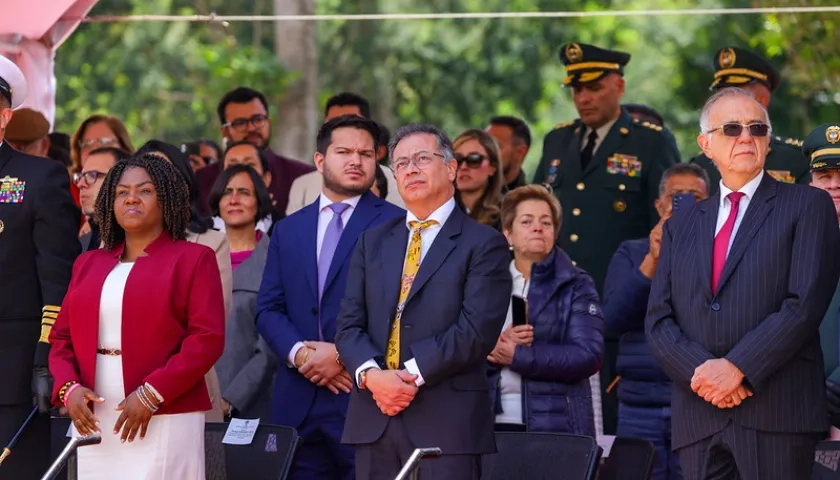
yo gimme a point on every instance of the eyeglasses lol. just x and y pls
(420, 160)
(90, 177)
(94, 142)
(472, 160)
(241, 124)
(735, 129)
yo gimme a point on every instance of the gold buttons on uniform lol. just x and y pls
(576, 212)
(621, 187)
(620, 205)
(2, 226)
(581, 186)
(573, 237)
(574, 263)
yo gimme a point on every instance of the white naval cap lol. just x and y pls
(12, 82)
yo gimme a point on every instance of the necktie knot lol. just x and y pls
(338, 208)
(735, 197)
(419, 226)
(593, 135)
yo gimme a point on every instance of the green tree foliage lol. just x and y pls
(166, 78)
(163, 79)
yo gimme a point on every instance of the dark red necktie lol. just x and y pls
(723, 237)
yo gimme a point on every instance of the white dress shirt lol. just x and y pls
(723, 210)
(603, 131)
(511, 382)
(325, 215)
(427, 236)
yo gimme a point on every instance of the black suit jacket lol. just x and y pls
(451, 321)
(775, 287)
(38, 245)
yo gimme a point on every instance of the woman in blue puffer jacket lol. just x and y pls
(539, 372)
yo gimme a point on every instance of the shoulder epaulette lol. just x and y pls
(563, 125)
(647, 124)
(793, 142)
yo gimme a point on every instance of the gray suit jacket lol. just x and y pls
(247, 365)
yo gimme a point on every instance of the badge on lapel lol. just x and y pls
(626, 165)
(783, 176)
(11, 190)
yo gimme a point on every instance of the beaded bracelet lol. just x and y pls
(62, 393)
(69, 391)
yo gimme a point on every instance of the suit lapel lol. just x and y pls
(309, 240)
(441, 248)
(365, 213)
(570, 161)
(705, 236)
(758, 209)
(611, 144)
(394, 246)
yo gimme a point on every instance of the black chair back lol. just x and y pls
(268, 457)
(629, 459)
(542, 456)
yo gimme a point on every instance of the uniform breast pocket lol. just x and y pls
(625, 193)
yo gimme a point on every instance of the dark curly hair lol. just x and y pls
(172, 198)
(198, 223)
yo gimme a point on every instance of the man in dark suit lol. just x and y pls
(738, 67)
(302, 287)
(38, 245)
(416, 324)
(243, 113)
(742, 284)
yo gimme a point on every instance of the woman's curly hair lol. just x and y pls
(172, 196)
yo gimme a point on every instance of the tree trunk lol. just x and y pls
(295, 119)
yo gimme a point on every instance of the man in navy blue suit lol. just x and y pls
(301, 292)
(742, 284)
(426, 298)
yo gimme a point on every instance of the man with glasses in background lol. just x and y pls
(94, 168)
(733, 317)
(243, 113)
(736, 67)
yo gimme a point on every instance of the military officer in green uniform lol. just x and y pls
(822, 149)
(605, 166)
(605, 169)
(736, 67)
(39, 223)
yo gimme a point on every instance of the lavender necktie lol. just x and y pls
(331, 237)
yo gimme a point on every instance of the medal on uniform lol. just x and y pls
(626, 165)
(783, 176)
(11, 190)
(552, 171)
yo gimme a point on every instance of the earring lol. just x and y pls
(510, 247)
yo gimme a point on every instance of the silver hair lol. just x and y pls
(725, 93)
(444, 144)
(683, 169)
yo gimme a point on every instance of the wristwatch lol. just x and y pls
(363, 378)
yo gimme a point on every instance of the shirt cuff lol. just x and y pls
(290, 360)
(412, 368)
(369, 364)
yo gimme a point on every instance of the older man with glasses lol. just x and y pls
(743, 281)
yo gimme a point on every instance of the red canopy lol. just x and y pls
(30, 33)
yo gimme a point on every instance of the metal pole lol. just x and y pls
(410, 470)
(71, 447)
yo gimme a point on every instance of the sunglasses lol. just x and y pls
(735, 129)
(472, 160)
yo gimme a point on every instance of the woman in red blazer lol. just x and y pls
(141, 324)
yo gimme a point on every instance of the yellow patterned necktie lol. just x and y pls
(412, 265)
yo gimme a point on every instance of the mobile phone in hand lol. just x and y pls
(681, 200)
(519, 306)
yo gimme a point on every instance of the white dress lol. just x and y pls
(174, 444)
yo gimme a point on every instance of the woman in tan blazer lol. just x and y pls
(200, 232)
